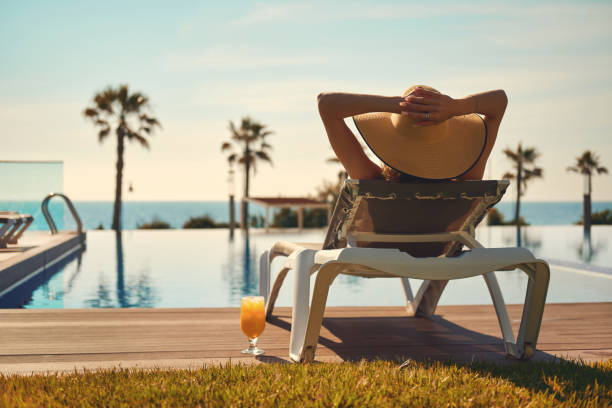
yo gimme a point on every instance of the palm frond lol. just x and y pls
(232, 127)
(105, 99)
(105, 105)
(508, 176)
(529, 174)
(530, 155)
(252, 137)
(588, 158)
(263, 156)
(236, 134)
(91, 113)
(135, 102)
(255, 128)
(511, 154)
(149, 120)
(113, 105)
(131, 135)
(122, 95)
(249, 138)
(103, 133)
(572, 169)
(245, 123)
(588, 163)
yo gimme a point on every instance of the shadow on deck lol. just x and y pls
(35, 340)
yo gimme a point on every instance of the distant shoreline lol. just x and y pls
(176, 213)
(238, 200)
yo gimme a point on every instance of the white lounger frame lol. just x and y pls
(12, 226)
(307, 316)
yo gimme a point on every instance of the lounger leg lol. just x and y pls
(427, 297)
(500, 309)
(413, 301)
(535, 299)
(278, 282)
(3, 229)
(303, 348)
(264, 275)
(303, 262)
(325, 278)
(9, 236)
(18, 235)
(409, 294)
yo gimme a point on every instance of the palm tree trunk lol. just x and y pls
(121, 295)
(118, 182)
(586, 207)
(517, 210)
(519, 181)
(245, 204)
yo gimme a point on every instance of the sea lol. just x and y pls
(96, 214)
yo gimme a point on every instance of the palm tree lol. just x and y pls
(328, 191)
(117, 108)
(587, 165)
(247, 146)
(342, 173)
(524, 165)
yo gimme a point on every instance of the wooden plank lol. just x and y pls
(41, 340)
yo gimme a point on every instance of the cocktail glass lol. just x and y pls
(252, 322)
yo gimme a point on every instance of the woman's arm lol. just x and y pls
(491, 104)
(333, 108)
(424, 106)
(429, 108)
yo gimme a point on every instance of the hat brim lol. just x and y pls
(455, 155)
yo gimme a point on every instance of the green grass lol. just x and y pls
(373, 384)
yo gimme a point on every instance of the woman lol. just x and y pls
(422, 134)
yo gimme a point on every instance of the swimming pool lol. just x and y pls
(204, 268)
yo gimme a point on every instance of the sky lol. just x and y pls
(205, 63)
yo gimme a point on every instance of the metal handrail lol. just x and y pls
(45, 209)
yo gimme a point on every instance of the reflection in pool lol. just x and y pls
(556, 242)
(204, 268)
(138, 291)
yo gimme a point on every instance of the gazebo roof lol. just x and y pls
(287, 202)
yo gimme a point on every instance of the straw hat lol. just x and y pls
(437, 152)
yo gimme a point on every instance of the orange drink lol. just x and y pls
(252, 321)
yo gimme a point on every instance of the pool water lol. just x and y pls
(204, 268)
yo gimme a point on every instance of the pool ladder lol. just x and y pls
(45, 209)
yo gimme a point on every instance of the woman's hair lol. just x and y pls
(390, 174)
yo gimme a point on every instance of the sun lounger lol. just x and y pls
(12, 226)
(406, 230)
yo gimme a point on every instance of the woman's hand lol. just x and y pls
(426, 107)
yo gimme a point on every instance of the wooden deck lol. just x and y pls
(62, 340)
(36, 252)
